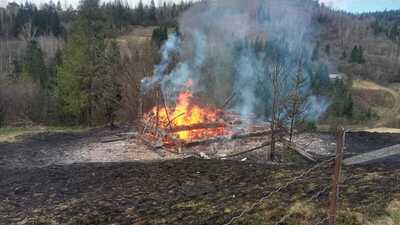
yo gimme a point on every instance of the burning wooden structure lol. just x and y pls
(188, 123)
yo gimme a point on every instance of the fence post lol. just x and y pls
(333, 199)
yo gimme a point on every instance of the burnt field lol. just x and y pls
(42, 181)
(189, 191)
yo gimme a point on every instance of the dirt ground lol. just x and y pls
(43, 149)
(83, 179)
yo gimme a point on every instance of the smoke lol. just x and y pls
(170, 47)
(234, 46)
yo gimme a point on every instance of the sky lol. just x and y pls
(355, 6)
(358, 6)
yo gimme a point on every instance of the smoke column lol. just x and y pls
(226, 47)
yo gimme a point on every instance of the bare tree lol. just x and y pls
(296, 99)
(28, 32)
(276, 72)
(137, 63)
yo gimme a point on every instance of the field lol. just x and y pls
(72, 177)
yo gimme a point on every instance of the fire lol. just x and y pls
(185, 114)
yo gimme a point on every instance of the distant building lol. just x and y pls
(337, 76)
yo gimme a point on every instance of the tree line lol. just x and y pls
(51, 18)
(82, 83)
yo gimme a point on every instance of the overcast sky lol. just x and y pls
(348, 5)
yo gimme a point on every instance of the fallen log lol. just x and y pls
(114, 140)
(265, 144)
(298, 150)
(231, 138)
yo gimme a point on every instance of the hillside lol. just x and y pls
(376, 33)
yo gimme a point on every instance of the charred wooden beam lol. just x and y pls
(199, 126)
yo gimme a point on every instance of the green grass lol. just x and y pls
(10, 134)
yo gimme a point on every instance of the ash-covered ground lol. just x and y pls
(83, 178)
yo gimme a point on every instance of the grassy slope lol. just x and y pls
(11, 134)
(385, 101)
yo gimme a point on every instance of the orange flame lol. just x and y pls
(185, 113)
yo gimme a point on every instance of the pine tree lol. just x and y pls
(140, 12)
(34, 64)
(357, 55)
(152, 13)
(86, 85)
(328, 49)
(82, 59)
(354, 55)
(160, 35)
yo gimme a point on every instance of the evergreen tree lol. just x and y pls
(354, 54)
(342, 103)
(140, 12)
(59, 7)
(34, 64)
(86, 83)
(77, 75)
(152, 13)
(328, 49)
(160, 35)
(357, 55)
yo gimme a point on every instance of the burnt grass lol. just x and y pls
(189, 191)
(186, 191)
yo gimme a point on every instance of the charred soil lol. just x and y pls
(178, 191)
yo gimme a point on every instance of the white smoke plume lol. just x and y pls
(225, 49)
